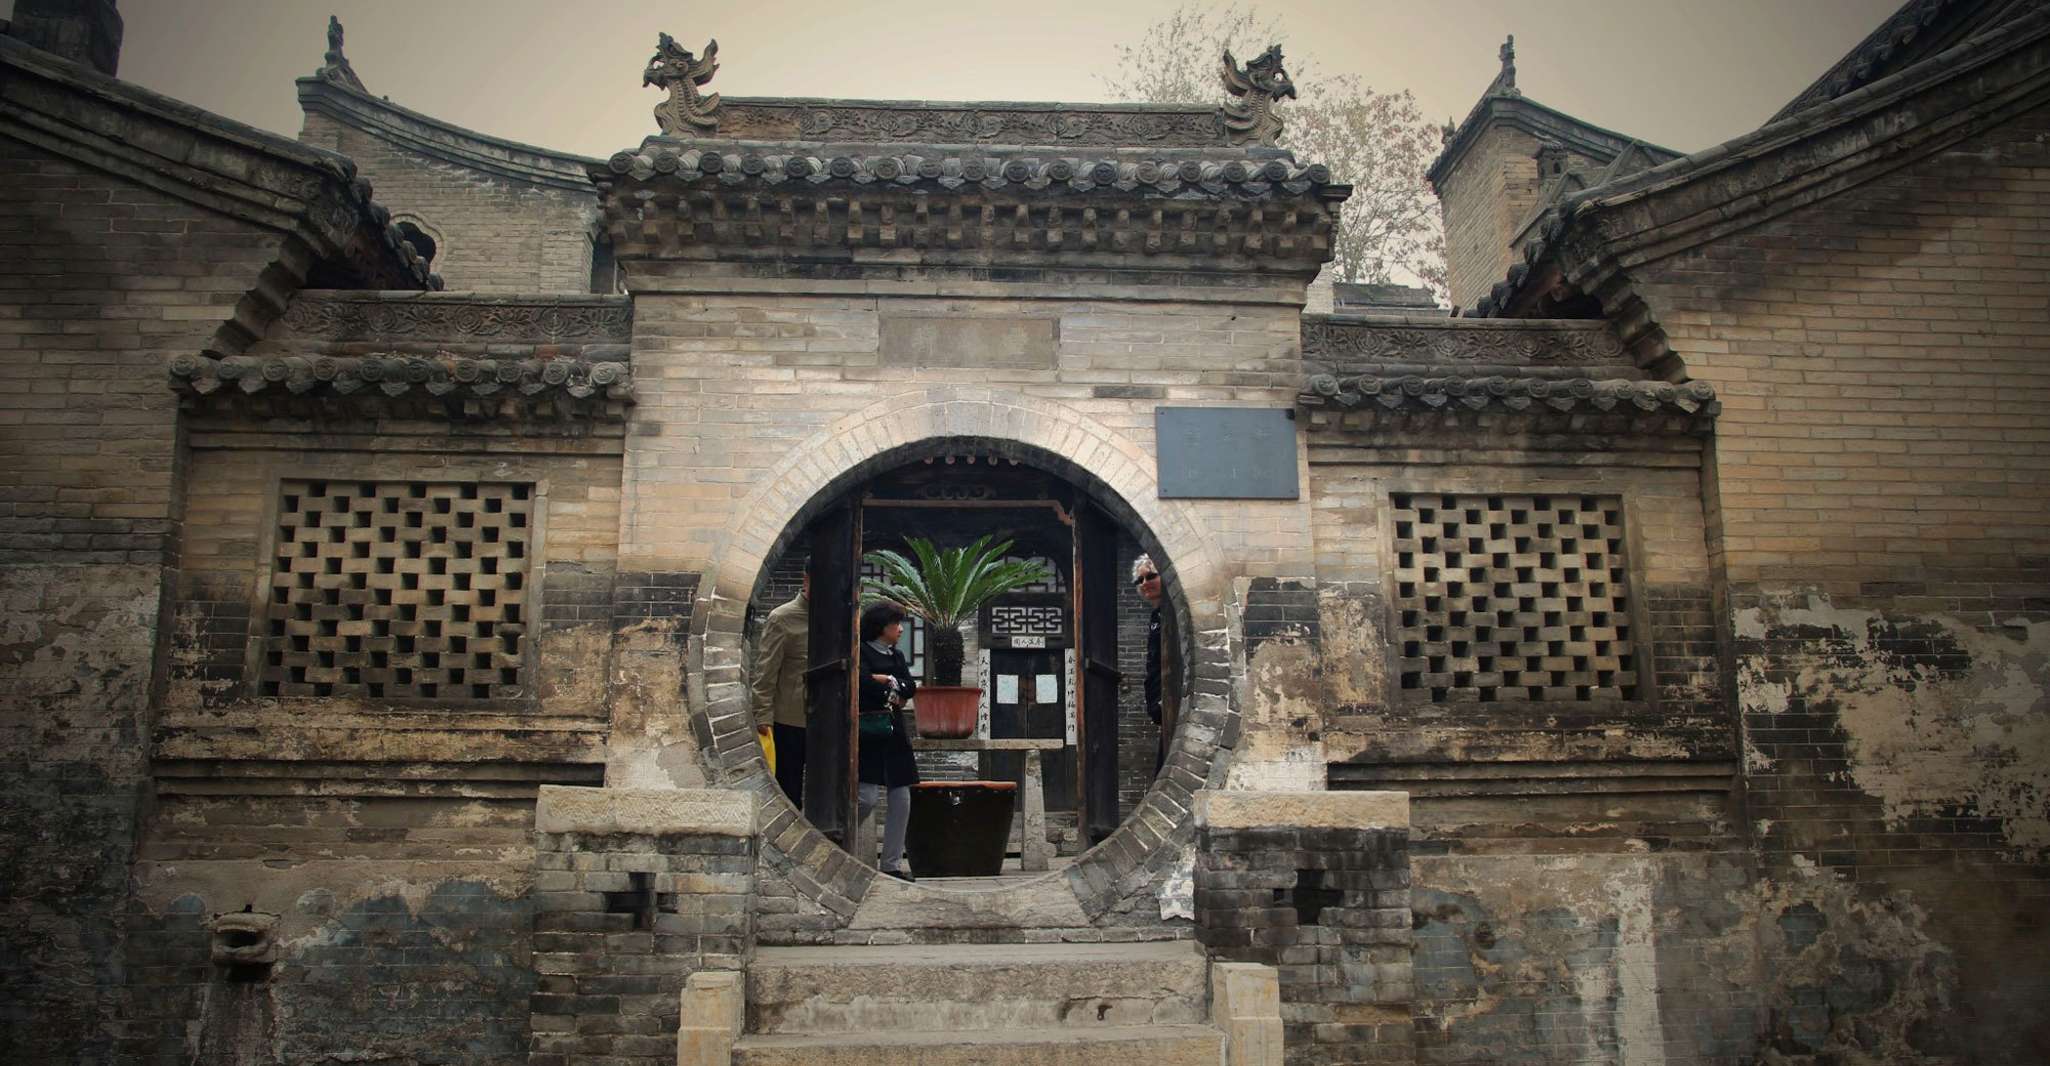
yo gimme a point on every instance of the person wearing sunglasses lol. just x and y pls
(1162, 682)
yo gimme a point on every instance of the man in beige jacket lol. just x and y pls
(781, 657)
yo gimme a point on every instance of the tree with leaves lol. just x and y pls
(1378, 142)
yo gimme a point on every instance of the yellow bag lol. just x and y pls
(769, 747)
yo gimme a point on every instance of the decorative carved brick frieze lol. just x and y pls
(1458, 342)
(385, 317)
(1081, 125)
(391, 590)
(1511, 597)
(1590, 405)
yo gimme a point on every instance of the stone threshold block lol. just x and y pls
(646, 812)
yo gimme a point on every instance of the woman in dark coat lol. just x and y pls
(887, 766)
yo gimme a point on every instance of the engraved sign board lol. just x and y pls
(1027, 620)
(1227, 453)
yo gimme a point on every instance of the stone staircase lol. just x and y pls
(1134, 1004)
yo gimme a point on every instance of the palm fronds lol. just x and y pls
(946, 587)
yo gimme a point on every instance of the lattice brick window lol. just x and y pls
(399, 590)
(1506, 597)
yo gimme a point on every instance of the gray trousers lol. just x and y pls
(895, 821)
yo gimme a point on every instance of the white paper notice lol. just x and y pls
(1007, 688)
(1046, 690)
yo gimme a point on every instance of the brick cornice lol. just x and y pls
(741, 201)
(205, 159)
(1586, 405)
(502, 388)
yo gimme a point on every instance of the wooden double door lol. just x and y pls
(1088, 782)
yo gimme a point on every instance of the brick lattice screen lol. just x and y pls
(1504, 597)
(399, 590)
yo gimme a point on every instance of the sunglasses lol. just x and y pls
(1143, 578)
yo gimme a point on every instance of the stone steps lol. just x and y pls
(1125, 1045)
(966, 988)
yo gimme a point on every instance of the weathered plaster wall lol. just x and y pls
(409, 960)
(75, 654)
(1878, 479)
(394, 842)
(1897, 762)
(103, 282)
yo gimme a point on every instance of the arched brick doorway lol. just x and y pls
(1117, 475)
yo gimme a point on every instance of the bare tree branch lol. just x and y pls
(1378, 142)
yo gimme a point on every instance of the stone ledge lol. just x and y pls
(650, 812)
(1232, 809)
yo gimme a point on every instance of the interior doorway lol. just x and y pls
(1054, 661)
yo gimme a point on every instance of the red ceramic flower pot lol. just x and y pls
(947, 711)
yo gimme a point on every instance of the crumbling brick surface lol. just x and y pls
(102, 282)
(1330, 908)
(620, 922)
(1881, 515)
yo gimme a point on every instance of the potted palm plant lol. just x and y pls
(945, 588)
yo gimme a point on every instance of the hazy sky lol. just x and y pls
(1683, 73)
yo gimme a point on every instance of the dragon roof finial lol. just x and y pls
(1258, 86)
(685, 113)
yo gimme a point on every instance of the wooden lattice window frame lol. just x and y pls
(380, 650)
(1436, 629)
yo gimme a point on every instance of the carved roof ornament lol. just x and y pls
(334, 65)
(1258, 86)
(685, 113)
(1505, 80)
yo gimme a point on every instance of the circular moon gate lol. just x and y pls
(1113, 473)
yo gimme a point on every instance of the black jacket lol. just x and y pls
(887, 761)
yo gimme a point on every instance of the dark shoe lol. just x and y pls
(901, 875)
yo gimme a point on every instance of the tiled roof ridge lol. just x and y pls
(1868, 58)
(1688, 407)
(1590, 222)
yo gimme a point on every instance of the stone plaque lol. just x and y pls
(1228, 453)
(973, 343)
